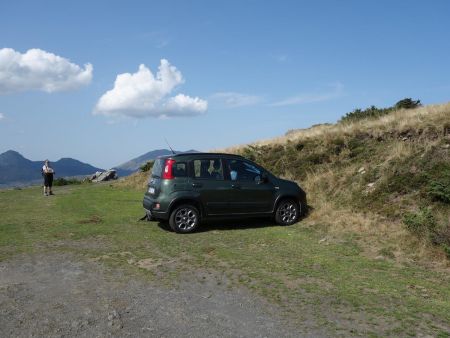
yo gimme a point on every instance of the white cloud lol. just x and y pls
(142, 94)
(2, 116)
(37, 69)
(335, 92)
(233, 100)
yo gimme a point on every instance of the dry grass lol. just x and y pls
(374, 233)
(432, 115)
(136, 181)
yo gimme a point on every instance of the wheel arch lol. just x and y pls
(291, 197)
(186, 200)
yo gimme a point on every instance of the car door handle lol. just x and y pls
(196, 185)
(236, 186)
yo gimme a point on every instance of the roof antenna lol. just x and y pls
(169, 146)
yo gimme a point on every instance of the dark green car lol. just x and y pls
(187, 188)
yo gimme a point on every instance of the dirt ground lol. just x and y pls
(56, 295)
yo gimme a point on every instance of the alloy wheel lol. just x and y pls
(185, 219)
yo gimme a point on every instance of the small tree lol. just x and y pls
(147, 166)
(407, 103)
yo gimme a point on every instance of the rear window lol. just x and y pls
(179, 169)
(157, 168)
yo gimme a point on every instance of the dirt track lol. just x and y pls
(61, 295)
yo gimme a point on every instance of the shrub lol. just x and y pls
(447, 250)
(424, 223)
(407, 103)
(440, 190)
(60, 181)
(441, 237)
(421, 222)
(370, 112)
(147, 166)
(373, 112)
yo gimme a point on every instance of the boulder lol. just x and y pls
(107, 175)
(94, 176)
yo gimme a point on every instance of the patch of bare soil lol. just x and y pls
(91, 220)
(61, 295)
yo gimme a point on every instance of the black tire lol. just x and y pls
(287, 212)
(184, 219)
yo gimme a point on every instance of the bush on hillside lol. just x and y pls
(440, 190)
(407, 103)
(147, 166)
(421, 222)
(374, 112)
(60, 181)
(371, 112)
(424, 224)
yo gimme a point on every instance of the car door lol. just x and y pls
(207, 179)
(250, 194)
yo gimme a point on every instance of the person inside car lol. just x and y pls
(217, 172)
(204, 169)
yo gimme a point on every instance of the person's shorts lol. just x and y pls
(48, 180)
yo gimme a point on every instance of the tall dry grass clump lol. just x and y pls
(136, 181)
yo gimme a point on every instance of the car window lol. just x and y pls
(243, 171)
(179, 169)
(208, 169)
(157, 168)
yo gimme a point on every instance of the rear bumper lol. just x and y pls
(149, 205)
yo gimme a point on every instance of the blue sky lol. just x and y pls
(245, 70)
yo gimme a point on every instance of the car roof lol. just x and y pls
(200, 155)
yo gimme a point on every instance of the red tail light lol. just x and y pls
(167, 173)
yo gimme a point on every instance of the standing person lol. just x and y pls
(48, 173)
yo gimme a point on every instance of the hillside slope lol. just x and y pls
(381, 176)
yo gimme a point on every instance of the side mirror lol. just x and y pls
(263, 178)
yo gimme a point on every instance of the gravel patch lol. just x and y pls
(60, 295)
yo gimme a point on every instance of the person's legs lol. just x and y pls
(50, 184)
(46, 184)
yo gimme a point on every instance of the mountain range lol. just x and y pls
(134, 164)
(16, 170)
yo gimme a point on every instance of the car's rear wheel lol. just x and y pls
(287, 212)
(184, 219)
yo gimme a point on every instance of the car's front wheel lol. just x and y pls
(184, 219)
(287, 212)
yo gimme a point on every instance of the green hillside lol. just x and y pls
(379, 176)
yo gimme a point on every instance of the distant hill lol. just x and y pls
(17, 170)
(134, 164)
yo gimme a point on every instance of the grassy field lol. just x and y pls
(304, 268)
